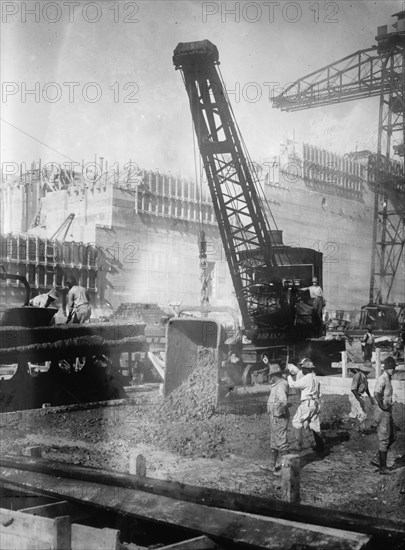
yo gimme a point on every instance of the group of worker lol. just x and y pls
(78, 301)
(307, 416)
(305, 381)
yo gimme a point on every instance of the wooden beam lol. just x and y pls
(225, 526)
(198, 543)
(337, 519)
(53, 510)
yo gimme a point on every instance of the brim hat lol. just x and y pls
(389, 363)
(308, 364)
(314, 280)
(274, 369)
(53, 294)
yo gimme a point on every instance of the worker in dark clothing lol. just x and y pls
(358, 389)
(367, 344)
(383, 393)
(277, 407)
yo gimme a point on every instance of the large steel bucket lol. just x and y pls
(184, 338)
(27, 317)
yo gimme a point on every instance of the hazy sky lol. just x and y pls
(105, 83)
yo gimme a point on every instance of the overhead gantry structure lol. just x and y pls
(378, 71)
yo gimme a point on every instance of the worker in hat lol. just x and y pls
(367, 343)
(307, 415)
(44, 300)
(359, 388)
(316, 294)
(277, 407)
(385, 423)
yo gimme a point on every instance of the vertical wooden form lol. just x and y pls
(62, 533)
(378, 362)
(290, 478)
(344, 364)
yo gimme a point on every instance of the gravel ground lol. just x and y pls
(222, 451)
(186, 438)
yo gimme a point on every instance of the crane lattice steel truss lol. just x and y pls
(237, 205)
(376, 71)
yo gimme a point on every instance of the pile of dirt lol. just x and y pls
(195, 398)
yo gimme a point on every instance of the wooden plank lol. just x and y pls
(232, 501)
(57, 509)
(198, 543)
(52, 510)
(225, 526)
(19, 531)
(91, 538)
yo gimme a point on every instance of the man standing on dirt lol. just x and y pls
(78, 303)
(358, 389)
(307, 415)
(385, 422)
(368, 344)
(277, 407)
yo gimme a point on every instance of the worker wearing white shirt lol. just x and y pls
(307, 415)
(316, 294)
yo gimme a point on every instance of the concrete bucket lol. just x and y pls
(184, 339)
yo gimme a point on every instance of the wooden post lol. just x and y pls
(34, 452)
(378, 363)
(344, 364)
(62, 533)
(137, 465)
(290, 478)
(141, 466)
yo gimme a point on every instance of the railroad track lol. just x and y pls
(135, 511)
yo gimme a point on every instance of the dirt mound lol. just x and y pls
(195, 398)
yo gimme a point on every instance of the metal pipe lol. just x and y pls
(4, 276)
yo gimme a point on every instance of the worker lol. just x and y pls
(79, 310)
(44, 300)
(385, 423)
(359, 387)
(367, 344)
(316, 294)
(265, 363)
(277, 407)
(307, 415)
(232, 372)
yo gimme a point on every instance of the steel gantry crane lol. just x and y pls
(375, 71)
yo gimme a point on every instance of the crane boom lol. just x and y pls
(236, 202)
(265, 273)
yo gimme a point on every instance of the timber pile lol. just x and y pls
(195, 398)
